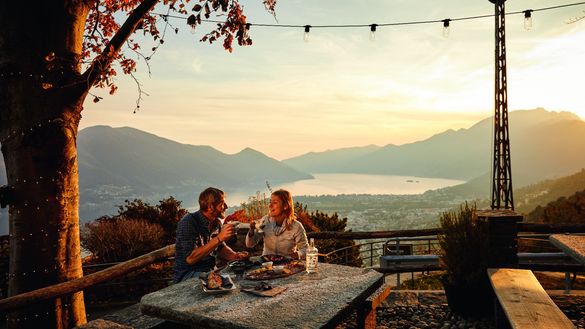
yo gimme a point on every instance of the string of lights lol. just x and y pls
(191, 21)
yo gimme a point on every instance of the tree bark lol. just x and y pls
(41, 102)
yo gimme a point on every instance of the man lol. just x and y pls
(201, 237)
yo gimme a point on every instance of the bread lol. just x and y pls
(214, 281)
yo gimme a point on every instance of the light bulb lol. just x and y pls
(446, 27)
(192, 22)
(306, 35)
(373, 32)
(528, 19)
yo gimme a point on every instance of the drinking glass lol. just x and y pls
(259, 226)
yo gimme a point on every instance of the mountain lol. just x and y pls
(130, 157)
(543, 145)
(116, 164)
(330, 160)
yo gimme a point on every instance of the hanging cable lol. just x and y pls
(523, 12)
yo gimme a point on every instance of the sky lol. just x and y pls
(286, 97)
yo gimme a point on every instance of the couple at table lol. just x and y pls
(201, 236)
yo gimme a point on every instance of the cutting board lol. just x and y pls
(265, 293)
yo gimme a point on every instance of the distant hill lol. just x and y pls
(544, 145)
(526, 199)
(125, 163)
(130, 157)
(541, 194)
(568, 210)
(330, 160)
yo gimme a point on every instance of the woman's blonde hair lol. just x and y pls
(287, 205)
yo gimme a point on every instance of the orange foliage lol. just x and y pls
(238, 216)
(101, 26)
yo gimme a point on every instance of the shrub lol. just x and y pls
(256, 207)
(117, 240)
(464, 245)
(320, 221)
(464, 254)
(167, 214)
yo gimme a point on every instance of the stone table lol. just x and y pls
(572, 245)
(311, 301)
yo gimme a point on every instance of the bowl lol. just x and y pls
(238, 266)
(278, 269)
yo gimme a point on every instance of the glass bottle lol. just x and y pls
(312, 257)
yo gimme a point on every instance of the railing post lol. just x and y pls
(503, 237)
(371, 254)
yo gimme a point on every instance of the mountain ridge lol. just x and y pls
(544, 144)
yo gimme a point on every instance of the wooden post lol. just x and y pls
(503, 237)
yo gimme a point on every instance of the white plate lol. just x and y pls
(221, 290)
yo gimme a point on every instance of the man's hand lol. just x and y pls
(242, 255)
(227, 231)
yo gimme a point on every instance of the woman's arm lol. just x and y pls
(253, 237)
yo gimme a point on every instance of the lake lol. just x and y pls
(334, 184)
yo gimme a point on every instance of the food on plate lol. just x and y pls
(279, 271)
(214, 280)
(295, 265)
(276, 259)
(263, 286)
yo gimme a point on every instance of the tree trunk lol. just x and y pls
(41, 103)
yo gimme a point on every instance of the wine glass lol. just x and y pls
(259, 225)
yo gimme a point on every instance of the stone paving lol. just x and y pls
(428, 309)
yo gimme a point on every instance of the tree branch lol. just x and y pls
(102, 61)
(64, 288)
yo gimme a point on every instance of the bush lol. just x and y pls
(256, 207)
(117, 240)
(320, 221)
(167, 214)
(464, 245)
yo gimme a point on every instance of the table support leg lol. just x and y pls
(366, 318)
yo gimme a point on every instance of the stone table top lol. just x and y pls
(311, 301)
(572, 245)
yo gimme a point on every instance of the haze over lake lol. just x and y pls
(334, 184)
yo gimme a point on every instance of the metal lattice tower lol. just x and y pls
(502, 170)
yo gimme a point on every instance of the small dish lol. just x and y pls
(238, 266)
(278, 269)
(227, 285)
(267, 265)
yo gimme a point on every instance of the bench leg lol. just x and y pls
(366, 318)
(500, 320)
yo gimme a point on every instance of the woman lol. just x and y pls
(282, 233)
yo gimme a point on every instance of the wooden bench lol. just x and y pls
(524, 301)
(367, 312)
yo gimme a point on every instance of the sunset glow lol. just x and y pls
(285, 97)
